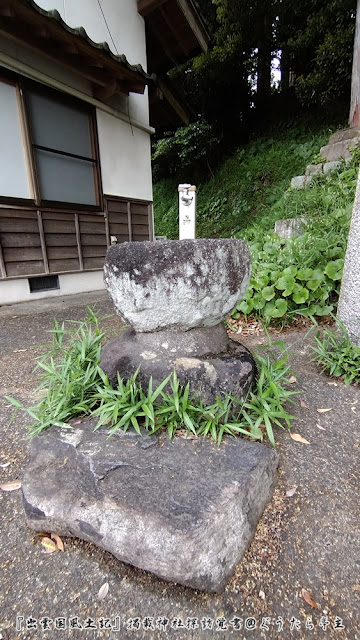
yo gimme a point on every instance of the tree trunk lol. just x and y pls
(264, 62)
(285, 69)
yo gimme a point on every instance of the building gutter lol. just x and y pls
(34, 74)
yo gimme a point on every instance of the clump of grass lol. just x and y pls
(73, 384)
(336, 354)
(71, 374)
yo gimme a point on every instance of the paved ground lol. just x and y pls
(307, 541)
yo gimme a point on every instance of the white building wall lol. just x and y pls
(127, 29)
(125, 158)
(18, 290)
(125, 155)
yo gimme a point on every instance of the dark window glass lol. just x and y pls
(61, 138)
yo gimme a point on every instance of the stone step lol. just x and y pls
(344, 134)
(300, 182)
(290, 227)
(313, 169)
(339, 149)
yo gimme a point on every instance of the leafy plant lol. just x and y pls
(74, 384)
(264, 406)
(127, 405)
(71, 374)
(336, 354)
(302, 275)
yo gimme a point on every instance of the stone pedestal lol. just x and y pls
(175, 294)
(185, 510)
(349, 302)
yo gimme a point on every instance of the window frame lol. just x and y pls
(22, 85)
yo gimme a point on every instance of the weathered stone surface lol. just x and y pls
(331, 166)
(298, 182)
(344, 134)
(339, 150)
(206, 358)
(349, 301)
(313, 169)
(184, 510)
(290, 227)
(198, 342)
(177, 284)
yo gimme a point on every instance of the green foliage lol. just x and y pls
(189, 147)
(320, 49)
(336, 354)
(122, 407)
(302, 275)
(128, 405)
(264, 406)
(247, 185)
(71, 374)
(73, 384)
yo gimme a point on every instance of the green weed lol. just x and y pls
(336, 354)
(73, 384)
(302, 276)
(71, 374)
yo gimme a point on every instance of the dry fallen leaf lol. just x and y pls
(303, 404)
(103, 591)
(291, 492)
(298, 438)
(49, 545)
(320, 427)
(292, 380)
(333, 384)
(59, 543)
(11, 486)
(308, 598)
(323, 410)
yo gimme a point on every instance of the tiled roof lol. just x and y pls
(55, 17)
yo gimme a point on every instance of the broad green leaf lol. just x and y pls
(246, 307)
(305, 274)
(314, 284)
(279, 309)
(290, 271)
(258, 301)
(301, 296)
(324, 311)
(286, 284)
(268, 293)
(334, 269)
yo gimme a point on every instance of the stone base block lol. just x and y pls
(205, 357)
(338, 150)
(184, 510)
(290, 227)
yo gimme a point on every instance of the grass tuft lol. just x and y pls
(73, 384)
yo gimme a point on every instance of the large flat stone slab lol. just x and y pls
(185, 510)
(177, 284)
